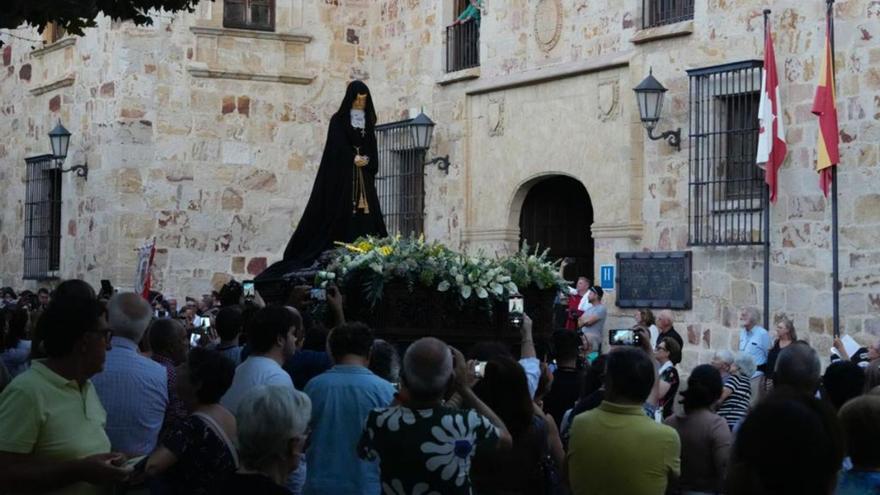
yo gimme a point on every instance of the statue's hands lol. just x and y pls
(361, 160)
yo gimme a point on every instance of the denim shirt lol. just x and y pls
(342, 398)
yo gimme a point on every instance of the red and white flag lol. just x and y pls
(771, 136)
(143, 277)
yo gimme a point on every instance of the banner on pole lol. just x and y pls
(143, 276)
(771, 135)
(824, 106)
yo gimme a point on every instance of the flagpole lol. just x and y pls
(766, 219)
(835, 290)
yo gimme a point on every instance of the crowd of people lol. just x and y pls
(107, 391)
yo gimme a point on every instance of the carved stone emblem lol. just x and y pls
(495, 116)
(608, 95)
(548, 23)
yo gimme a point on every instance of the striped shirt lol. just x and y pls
(134, 391)
(736, 406)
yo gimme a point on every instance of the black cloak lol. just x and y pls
(331, 215)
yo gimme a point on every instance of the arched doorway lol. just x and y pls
(557, 213)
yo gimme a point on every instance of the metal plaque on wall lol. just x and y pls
(660, 279)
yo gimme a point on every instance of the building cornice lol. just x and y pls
(617, 230)
(58, 45)
(552, 72)
(290, 37)
(52, 86)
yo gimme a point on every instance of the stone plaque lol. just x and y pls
(654, 280)
(548, 23)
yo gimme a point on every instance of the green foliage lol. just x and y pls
(472, 278)
(76, 15)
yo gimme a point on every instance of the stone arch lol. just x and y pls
(555, 211)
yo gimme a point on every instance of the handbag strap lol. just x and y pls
(220, 433)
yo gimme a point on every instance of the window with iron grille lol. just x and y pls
(463, 41)
(249, 14)
(42, 219)
(400, 182)
(661, 12)
(726, 190)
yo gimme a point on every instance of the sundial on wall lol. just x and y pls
(548, 23)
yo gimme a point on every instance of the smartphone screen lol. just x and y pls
(318, 294)
(515, 305)
(515, 309)
(248, 287)
(622, 336)
(480, 369)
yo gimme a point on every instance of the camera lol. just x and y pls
(624, 336)
(318, 294)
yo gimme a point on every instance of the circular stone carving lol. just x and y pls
(548, 23)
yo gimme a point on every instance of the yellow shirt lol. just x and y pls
(50, 417)
(616, 449)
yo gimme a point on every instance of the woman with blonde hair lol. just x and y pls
(785, 336)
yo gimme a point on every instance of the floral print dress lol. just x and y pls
(425, 451)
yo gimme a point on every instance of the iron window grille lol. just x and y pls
(249, 14)
(661, 12)
(400, 182)
(726, 191)
(462, 46)
(42, 222)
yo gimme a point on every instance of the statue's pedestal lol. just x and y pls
(402, 316)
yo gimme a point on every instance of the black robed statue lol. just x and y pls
(344, 204)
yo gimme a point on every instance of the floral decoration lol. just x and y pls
(375, 262)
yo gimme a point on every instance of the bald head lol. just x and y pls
(427, 368)
(129, 315)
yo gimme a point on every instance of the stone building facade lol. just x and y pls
(208, 139)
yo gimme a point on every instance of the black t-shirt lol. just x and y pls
(671, 334)
(564, 392)
(670, 376)
(247, 484)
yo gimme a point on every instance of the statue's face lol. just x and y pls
(360, 102)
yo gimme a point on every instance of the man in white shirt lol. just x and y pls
(272, 339)
(754, 341)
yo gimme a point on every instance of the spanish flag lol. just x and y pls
(825, 108)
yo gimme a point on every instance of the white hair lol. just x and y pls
(268, 417)
(745, 364)
(725, 356)
(666, 315)
(129, 315)
(753, 315)
(427, 366)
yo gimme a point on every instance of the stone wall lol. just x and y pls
(209, 139)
